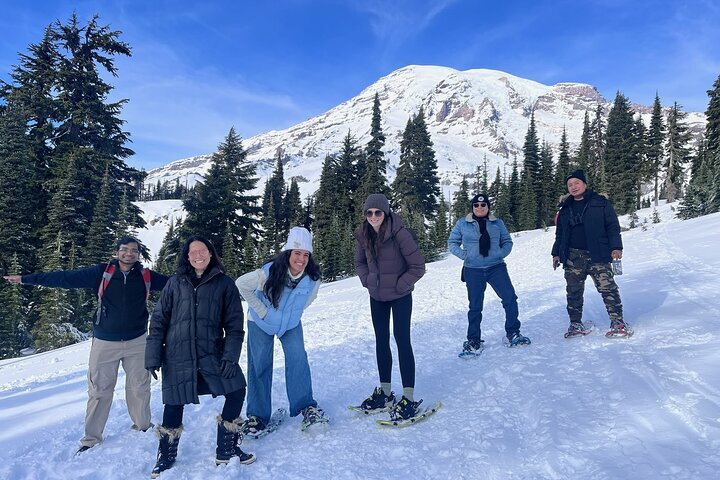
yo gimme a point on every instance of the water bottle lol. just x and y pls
(617, 267)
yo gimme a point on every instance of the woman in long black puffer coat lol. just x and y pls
(196, 334)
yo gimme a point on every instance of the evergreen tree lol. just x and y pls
(548, 198)
(513, 195)
(563, 167)
(441, 227)
(272, 240)
(229, 254)
(654, 149)
(404, 194)
(307, 220)
(222, 198)
(582, 156)
(249, 260)
(18, 186)
(596, 153)
(461, 201)
(12, 313)
(167, 257)
(88, 121)
(101, 237)
(346, 178)
(56, 307)
(696, 201)
(620, 167)
(60, 83)
(374, 179)
(293, 205)
(428, 182)
(326, 198)
(32, 93)
(527, 205)
(677, 153)
(501, 204)
(416, 185)
(275, 188)
(712, 139)
(639, 159)
(532, 174)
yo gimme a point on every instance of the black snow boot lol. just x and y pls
(229, 439)
(167, 450)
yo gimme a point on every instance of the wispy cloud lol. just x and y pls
(394, 22)
(178, 108)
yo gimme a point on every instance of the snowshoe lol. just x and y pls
(578, 329)
(472, 348)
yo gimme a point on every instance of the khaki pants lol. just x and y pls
(105, 358)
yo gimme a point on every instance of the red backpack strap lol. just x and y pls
(106, 277)
(146, 278)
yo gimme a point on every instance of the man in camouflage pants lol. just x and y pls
(587, 239)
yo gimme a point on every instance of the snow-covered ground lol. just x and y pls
(647, 407)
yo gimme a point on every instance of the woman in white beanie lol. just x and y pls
(277, 295)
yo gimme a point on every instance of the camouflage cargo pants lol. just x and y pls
(577, 267)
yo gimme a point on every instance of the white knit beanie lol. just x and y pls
(299, 238)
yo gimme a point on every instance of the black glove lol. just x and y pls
(229, 369)
(153, 371)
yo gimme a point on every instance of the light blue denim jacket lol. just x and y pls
(464, 242)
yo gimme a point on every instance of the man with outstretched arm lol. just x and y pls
(119, 333)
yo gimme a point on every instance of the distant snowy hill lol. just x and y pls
(591, 408)
(470, 114)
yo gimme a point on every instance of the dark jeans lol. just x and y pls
(476, 280)
(401, 313)
(173, 414)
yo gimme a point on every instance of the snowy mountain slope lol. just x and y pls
(592, 408)
(470, 115)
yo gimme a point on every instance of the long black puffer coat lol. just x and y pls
(195, 329)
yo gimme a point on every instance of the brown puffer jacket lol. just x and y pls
(397, 267)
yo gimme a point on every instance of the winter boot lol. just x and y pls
(378, 401)
(516, 339)
(253, 426)
(167, 450)
(405, 409)
(473, 346)
(311, 416)
(577, 329)
(619, 328)
(229, 439)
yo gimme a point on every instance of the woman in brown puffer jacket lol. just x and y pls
(389, 263)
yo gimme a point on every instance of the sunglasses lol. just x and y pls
(377, 213)
(480, 204)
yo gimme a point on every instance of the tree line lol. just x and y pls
(66, 192)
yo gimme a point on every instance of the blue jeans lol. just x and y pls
(260, 372)
(476, 280)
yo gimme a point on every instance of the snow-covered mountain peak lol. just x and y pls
(471, 115)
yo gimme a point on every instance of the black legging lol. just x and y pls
(173, 414)
(401, 312)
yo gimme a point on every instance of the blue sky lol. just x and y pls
(199, 68)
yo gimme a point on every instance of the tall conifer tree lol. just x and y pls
(222, 198)
(655, 142)
(678, 153)
(621, 169)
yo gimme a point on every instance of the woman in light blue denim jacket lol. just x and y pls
(482, 241)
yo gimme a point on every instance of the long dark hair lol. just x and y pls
(371, 238)
(277, 278)
(184, 266)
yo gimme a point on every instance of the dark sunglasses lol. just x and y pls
(377, 213)
(480, 204)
